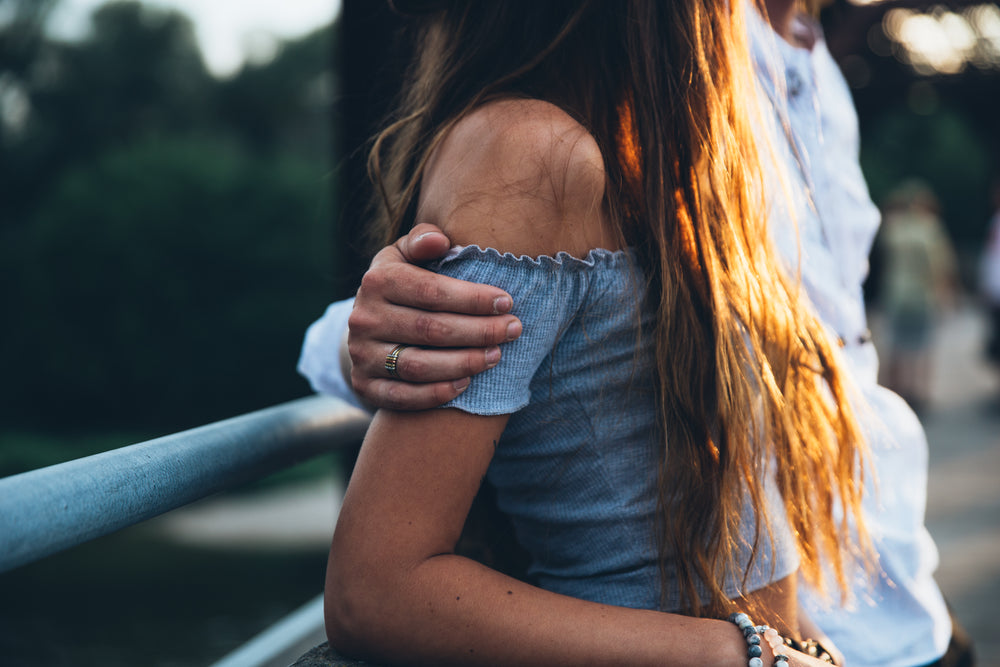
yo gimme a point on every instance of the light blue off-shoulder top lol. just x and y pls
(576, 467)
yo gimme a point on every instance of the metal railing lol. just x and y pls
(51, 509)
(45, 511)
(284, 641)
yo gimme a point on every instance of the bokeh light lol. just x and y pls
(940, 41)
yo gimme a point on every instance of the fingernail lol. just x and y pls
(422, 237)
(513, 330)
(502, 304)
(460, 385)
(492, 356)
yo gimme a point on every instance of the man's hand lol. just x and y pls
(455, 327)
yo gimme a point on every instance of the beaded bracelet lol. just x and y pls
(753, 634)
(811, 647)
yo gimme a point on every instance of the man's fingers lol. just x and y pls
(415, 364)
(407, 285)
(424, 243)
(400, 303)
(394, 277)
(424, 378)
(478, 353)
(416, 327)
(395, 395)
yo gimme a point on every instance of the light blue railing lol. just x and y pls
(51, 509)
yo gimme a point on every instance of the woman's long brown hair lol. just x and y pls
(747, 376)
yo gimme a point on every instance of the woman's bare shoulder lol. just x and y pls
(522, 176)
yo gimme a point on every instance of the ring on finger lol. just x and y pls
(392, 360)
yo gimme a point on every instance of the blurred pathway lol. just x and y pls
(963, 508)
(286, 518)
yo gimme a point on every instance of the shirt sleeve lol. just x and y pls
(319, 361)
(546, 292)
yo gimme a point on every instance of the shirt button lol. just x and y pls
(794, 82)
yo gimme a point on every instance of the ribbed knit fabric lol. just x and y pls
(576, 469)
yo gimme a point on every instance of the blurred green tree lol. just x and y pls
(138, 72)
(22, 24)
(285, 102)
(942, 148)
(165, 236)
(168, 284)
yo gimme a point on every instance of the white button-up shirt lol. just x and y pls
(901, 619)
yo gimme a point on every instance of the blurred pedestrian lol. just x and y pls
(989, 283)
(917, 281)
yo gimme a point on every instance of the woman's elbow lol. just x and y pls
(350, 611)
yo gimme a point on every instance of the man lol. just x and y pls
(823, 228)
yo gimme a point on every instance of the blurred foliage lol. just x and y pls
(918, 122)
(165, 236)
(27, 450)
(20, 37)
(941, 148)
(138, 72)
(172, 278)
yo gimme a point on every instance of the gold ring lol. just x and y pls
(392, 360)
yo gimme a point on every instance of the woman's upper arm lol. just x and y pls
(521, 176)
(412, 487)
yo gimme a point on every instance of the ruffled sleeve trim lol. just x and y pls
(548, 292)
(598, 257)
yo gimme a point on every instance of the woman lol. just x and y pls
(627, 468)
